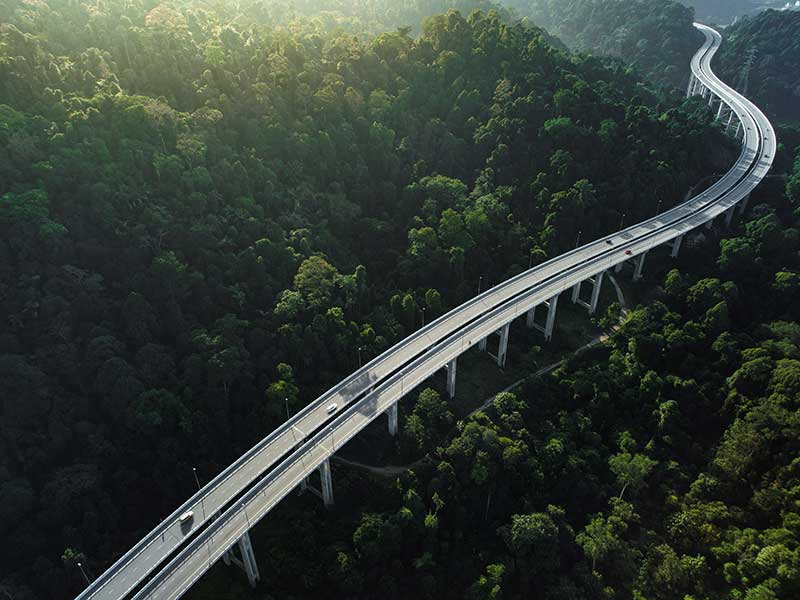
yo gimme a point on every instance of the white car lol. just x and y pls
(186, 517)
(332, 408)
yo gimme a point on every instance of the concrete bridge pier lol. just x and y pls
(249, 559)
(392, 414)
(676, 246)
(248, 562)
(327, 481)
(482, 345)
(729, 216)
(530, 318)
(693, 81)
(637, 271)
(743, 204)
(730, 120)
(721, 107)
(552, 304)
(502, 349)
(451, 378)
(597, 282)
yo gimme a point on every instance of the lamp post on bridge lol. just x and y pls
(360, 348)
(85, 576)
(196, 480)
(480, 281)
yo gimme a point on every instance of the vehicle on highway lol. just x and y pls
(628, 252)
(186, 517)
(332, 408)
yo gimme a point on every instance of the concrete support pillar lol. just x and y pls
(721, 106)
(451, 378)
(392, 414)
(738, 130)
(690, 89)
(503, 348)
(598, 283)
(676, 246)
(710, 224)
(530, 320)
(552, 304)
(729, 216)
(743, 204)
(249, 559)
(637, 271)
(576, 292)
(618, 267)
(226, 557)
(327, 482)
(482, 345)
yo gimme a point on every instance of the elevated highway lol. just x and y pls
(226, 508)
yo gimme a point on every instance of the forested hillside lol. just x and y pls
(654, 36)
(661, 465)
(205, 220)
(722, 12)
(760, 57)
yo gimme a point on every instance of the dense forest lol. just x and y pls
(655, 37)
(760, 57)
(720, 11)
(661, 465)
(210, 212)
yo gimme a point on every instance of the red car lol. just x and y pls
(628, 252)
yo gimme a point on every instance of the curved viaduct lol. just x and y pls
(166, 562)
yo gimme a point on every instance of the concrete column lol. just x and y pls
(637, 271)
(451, 378)
(392, 414)
(618, 267)
(729, 216)
(676, 246)
(598, 282)
(690, 89)
(738, 130)
(530, 320)
(503, 349)
(721, 106)
(730, 120)
(551, 317)
(576, 292)
(710, 224)
(743, 204)
(249, 559)
(326, 483)
(711, 99)
(226, 558)
(482, 345)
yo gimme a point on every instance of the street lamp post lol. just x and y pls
(196, 480)
(658, 208)
(85, 576)
(423, 316)
(286, 401)
(480, 281)
(360, 348)
(578, 240)
(621, 221)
